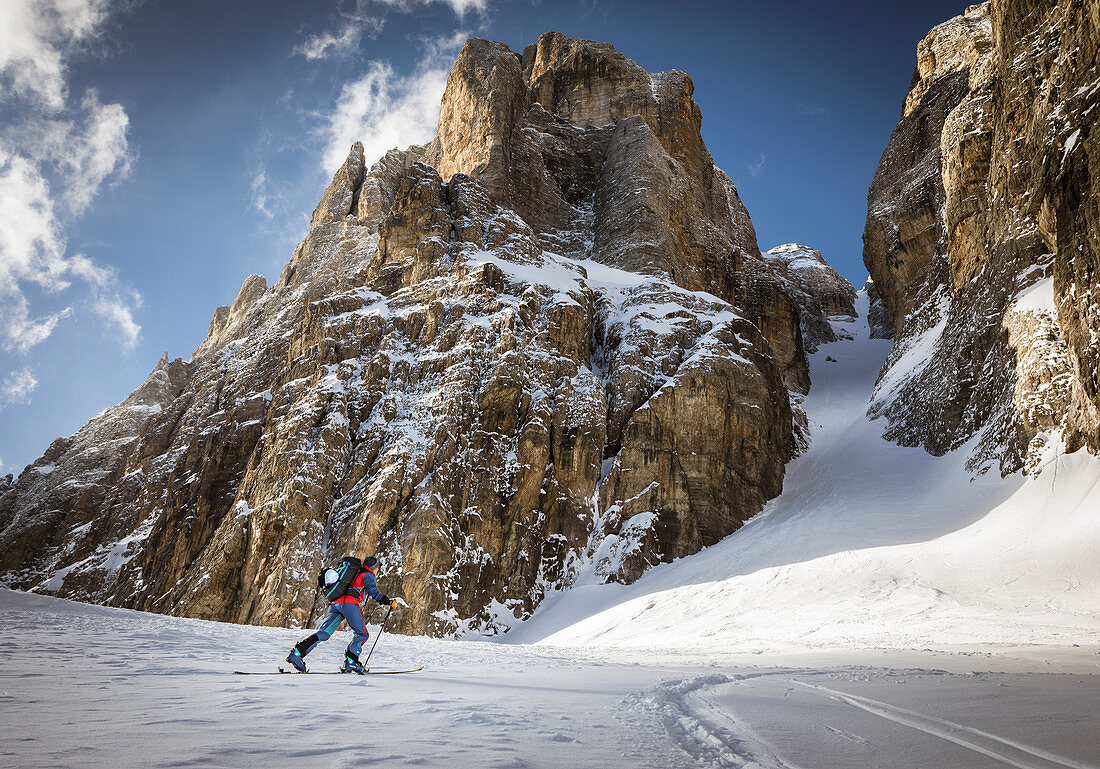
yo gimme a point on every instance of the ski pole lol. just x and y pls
(380, 629)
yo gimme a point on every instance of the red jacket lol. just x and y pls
(364, 582)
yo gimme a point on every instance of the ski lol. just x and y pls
(346, 673)
(392, 672)
(324, 672)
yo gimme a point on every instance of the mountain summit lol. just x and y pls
(543, 347)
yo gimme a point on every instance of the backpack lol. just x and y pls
(335, 581)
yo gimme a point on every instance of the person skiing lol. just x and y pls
(346, 608)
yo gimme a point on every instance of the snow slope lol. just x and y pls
(870, 545)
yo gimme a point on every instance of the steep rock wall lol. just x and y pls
(981, 236)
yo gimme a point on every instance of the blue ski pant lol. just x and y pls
(352, 613)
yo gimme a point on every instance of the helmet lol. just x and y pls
(370, 562)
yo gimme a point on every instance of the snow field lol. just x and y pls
(88, 686)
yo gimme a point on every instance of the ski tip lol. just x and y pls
(393, 672)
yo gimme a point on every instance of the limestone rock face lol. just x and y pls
(878, 319)
(981, 235)
(542, 346)
(604, 161)
(76, 495)
(819, 290)
(341, 198)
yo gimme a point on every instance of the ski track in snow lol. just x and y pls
(753, 721)
(1009, 751)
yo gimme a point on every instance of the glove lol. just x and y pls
(393, 604)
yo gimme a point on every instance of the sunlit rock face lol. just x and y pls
(982, 240)
(543, 346)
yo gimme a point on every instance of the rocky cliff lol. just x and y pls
(820, 291)
(543, 345)
(981, 236)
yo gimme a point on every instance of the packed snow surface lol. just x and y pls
(889, 609)
(88, 686)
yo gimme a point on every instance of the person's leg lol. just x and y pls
(331, 622)
(353, 613)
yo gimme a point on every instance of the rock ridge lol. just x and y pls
(542, 348)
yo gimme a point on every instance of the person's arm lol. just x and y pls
(370, 584)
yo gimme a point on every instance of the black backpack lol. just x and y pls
(334, 582)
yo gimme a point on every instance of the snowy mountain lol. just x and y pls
(821, 293)
(752, 653)
(544, 343)
(871, 545)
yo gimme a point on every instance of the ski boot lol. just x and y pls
(352, 664)
(295, 659)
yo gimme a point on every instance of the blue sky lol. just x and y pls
(154, 154)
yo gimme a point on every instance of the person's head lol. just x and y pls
(370, 562)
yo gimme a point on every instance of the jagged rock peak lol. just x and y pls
(961, 43)
(808, 262)
(603, 160)
(586, 83)
(339, 199)
(566, 132)
(541, 348)
(820, 291)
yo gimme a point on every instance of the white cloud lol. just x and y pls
(460, 7)
(341, 42)
(17, 387)
(53, 162)
(31, 242)
(384, 109)
(757, 168)
(20, 331)
(258, 192)
(354, 25)
(118, 311)
(100, 151)
(443, 50)
(37, 37)
(83, 150)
